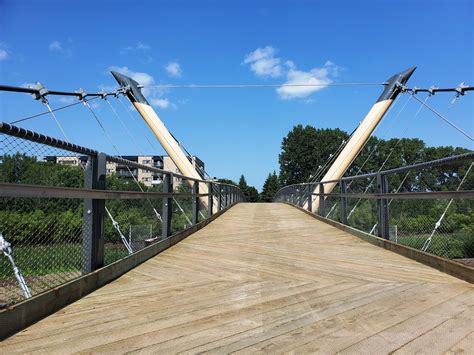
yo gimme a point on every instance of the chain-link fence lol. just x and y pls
(67, 210)
(44, 234)
(427, 206)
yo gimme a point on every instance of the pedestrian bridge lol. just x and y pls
(265, 278)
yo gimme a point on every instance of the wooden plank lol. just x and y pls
(264, 278)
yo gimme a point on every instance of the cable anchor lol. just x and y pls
(41, 93)
(7, 250)
(432, 90)
(81, 94)
(102, 94)
(460, 89)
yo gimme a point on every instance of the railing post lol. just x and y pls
(322, 201)
(310, 197)
(343, 202)
(226, 193)
(383, 227)
(210, 199)
(195, 206)
(94, 215)
(167, 205)
(219, 197)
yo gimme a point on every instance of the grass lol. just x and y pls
(53, 258)
(452, 246)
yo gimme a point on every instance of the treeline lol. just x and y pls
(270, 188)
(48, 220)
(308, 152)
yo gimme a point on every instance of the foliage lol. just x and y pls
(307, 150)
(250, 192)
(270, 187)
(304, 149)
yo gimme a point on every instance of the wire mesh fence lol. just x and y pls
(442, 226)
(55, 228)
(45, 234)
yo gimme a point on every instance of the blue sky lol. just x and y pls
(235, 131)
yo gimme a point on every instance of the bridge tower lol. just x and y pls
(361, 135)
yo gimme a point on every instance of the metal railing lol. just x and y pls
(427, 206)
(63, 215)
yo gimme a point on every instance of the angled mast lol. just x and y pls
(163, 135)
(363, 132)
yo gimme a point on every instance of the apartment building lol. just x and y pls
(147, 177)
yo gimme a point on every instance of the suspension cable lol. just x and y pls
(114, 223)
(385, 161)
(174, 199)
(152, 147)
(427, 243)
(391, 200)
(443, 117)
(375, 147)
(49, 111)
(118, 153)
(240, 86)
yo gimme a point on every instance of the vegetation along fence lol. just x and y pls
(427, 206)
(65, 212)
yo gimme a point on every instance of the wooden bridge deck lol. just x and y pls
(266, 278)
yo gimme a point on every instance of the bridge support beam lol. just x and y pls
(167, 212)
(166, 139)
(210, 199)
(365, 129)
(322, 202)
(383, 225)
(195, 205)
(343, 202)
(94, 215)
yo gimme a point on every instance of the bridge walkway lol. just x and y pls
(270, 278)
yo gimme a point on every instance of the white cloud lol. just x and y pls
(161, 103)
(64, 49)
(173, 69)
(67, 99)
(139, 46)
(320, 77)
(55, 46)
(30, 85)
(140, 50)
(3, 54)
(153, 94)
(262, 62)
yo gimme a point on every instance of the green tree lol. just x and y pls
(270, 187)
(243, 183)
(251, 194)
(304, 150)
(227, 181)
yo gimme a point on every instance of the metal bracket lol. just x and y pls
(42, 92)
(460, 89)
(81, 94)
(103, 94)
(432, 89)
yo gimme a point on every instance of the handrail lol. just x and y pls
(23, 133)
(32, 136)
(418, 166)
(40, 191)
